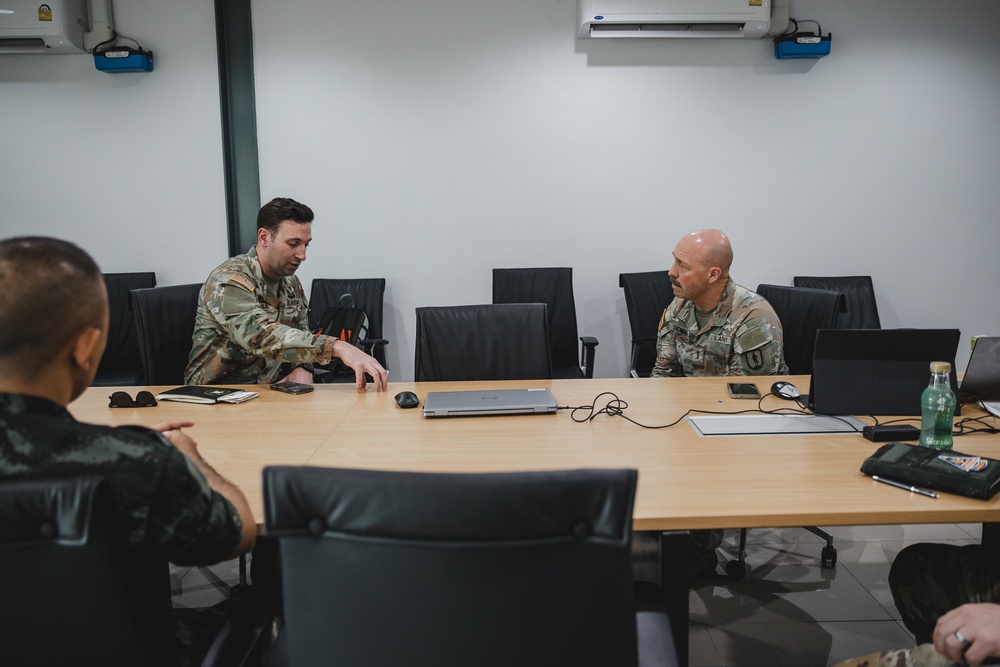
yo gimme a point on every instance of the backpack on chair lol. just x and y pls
(347, 323)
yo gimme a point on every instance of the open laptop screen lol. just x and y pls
(877, 371)
(982, 376)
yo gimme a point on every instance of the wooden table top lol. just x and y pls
(686, 481)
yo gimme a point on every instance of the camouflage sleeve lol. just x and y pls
(254, 330)
(757, 347)
(667, 364)
(189, 523)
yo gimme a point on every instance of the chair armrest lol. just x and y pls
(655, 635)
(369, 344)
(589, 351)
(637, 345)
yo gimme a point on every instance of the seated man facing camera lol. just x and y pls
(713, 327)
(172, 505)
(253, 325)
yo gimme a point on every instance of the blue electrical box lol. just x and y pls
(802, 45)
(119, 59)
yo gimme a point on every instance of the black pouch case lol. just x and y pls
(920, 466)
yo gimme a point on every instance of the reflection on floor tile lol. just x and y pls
(790, 611)
(203, 586)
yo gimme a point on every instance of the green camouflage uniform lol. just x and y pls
(921, 656)
(927, 581)
(741, 337)
(248, 326)
(166, 508)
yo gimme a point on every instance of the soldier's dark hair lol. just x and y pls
(49, 290)
(276, 211)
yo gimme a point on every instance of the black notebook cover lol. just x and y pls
(921, 466)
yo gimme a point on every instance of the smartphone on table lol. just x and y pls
(743, 390)
(292, 387)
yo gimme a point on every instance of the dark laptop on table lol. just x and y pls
(982, 376)
(877, 371)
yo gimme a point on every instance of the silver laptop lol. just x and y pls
(489, 402)
(982, 376)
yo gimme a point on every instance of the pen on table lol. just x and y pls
(915, 489)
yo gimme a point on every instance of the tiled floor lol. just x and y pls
(792, 612)
(788, 612)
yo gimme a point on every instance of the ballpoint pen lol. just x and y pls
(906, 487)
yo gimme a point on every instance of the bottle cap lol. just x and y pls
(940, 367)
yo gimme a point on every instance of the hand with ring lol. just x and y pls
(969, 633)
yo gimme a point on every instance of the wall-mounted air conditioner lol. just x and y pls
(674, 18)
(30, 26)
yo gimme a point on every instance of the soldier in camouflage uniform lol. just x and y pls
(252, 324)
(172, 505)
(714, 326)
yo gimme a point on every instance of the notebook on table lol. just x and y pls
(489, 402)
(982, 375)
(877, 371)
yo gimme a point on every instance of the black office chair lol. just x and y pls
(73, 594)
(121, 364)
(483, 342)
(859, 292)
(553, 287)
(646, 296)
(802, 311)
(164, 321)
(393, 568)
(364, 293)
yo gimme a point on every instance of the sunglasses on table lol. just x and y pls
(122, 399)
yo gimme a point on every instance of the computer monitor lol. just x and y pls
(877, 371)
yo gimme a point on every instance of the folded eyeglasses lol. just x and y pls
(122, 399)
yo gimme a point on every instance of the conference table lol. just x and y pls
(686, 480)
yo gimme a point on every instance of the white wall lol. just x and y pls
(438, 140)
(129, 166)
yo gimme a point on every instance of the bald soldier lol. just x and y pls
(714, 326)
(172, 506)
(252, 324)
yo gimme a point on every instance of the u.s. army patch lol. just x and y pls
(754, 359)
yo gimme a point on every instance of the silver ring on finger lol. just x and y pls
(963, 640)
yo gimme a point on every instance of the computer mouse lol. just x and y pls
(407, 399)
(785, 390)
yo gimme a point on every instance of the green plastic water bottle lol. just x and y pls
(937, 406)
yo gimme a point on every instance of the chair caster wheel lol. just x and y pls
(737, 570)
(829, 557)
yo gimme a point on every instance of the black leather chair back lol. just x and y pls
(554, 288)
(366, 294)
(121, 364)
(71, 588)
(391, 568)
(859, 293)
(164, 320)
(483, 342)
(802, 311)
(646, 296)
